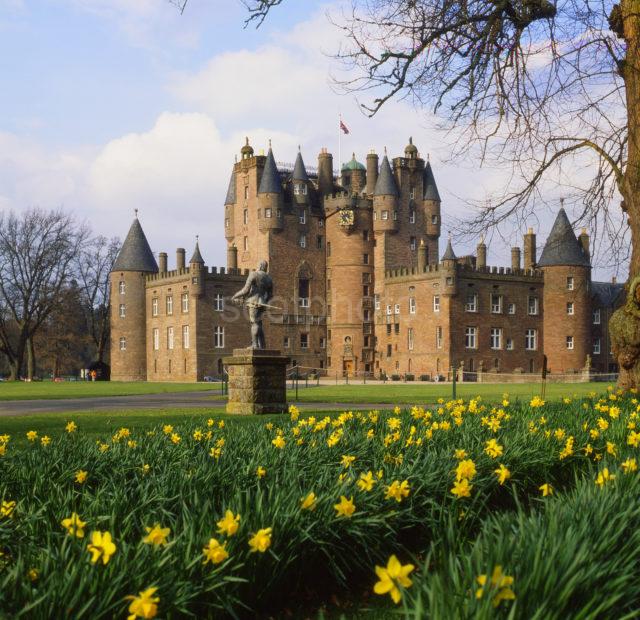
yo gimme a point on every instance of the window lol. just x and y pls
(320, 223)
(470, 334)
(218, 302)
(376, 301)
(388, 329)
(302, 218)
(303, 292)
(122, 311)
(496, 304)
(396, 328)
(323, 342)
(122, 287)
(569, 307)
(328, 248)
(304, 341)
(511, 308)
(434, 219)
(365, 235)
(436, 303)
(531, 339)
(185, 336)
(396, 309)
(169, 304)
(412, 305)
(412, 217)
(303, 241)
(412, 192)
(449, 280)
(395, 216)
(412, 243)
(226, 222)
(169, 337)
(156, 339)
(365, 290)
(268, 212)
(570, 343)
(319, 242)
(245, 244)
(533, 305)
(300, 189)
(509, 345)
(471, 304)
(365, 259)
(569, 283)
(596, 316)
(385, 215)
(496, 338)
(245, 216)
(389, 349)
(410, 338)
(185, 302)
(389, 313)
(287, 342)
(596, 346)
(123, 344)
(246, 192)
(218, 337)
(438, 337)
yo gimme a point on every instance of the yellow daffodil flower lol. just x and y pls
(392, 578)
(308, 502)
(215, 552)
(229, 524)
(145, 605)
(7, 508)
(462, 488)
(74, 525)
(546, 489)
(503, 474)
(101, 547)
(81, 476)
(261, 540)
(500, 584)
(156, 535)
(366, 482)
(397, 490)
(345, 507)
(71, 427)
(261, 472)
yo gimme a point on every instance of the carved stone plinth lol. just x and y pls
(257, 381)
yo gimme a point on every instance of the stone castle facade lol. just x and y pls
(360, 282)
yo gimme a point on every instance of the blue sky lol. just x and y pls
(111, 105)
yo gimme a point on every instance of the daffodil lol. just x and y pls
(604, 476)
(503, 474)
(546, 489)
(229, 524)
(493, 448)
(81, 476)
(499, 586)
(261, 472)
(74, 525)
(261, 540)
(101, 547)
(345, 507)
(366, 481)
(308, 502)
(346, 461)
(629, 466)
(466, 469)
(397, 490)
(71, 427)
(7, 508)
(392, 578)
(156, 535)
(145, 605)
(461, 454)
(215, 552)
(33, 574)
(45, 440)
(462, 488)
(633, 439)
(279, 442)
(32, 435)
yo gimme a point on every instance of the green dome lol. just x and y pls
(353, 164)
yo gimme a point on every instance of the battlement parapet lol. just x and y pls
(404, 272)
(184, 274)
(493, 271)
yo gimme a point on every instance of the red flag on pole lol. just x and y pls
(344, 128)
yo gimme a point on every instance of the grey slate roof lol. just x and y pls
(231, 191)
(135, 254)
(606, 293)
(448, 253)
(429, 187)
(299, 171)
(270, 181)
(562, 247)
(386, 184)
(197, 257)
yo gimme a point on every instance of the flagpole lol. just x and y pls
(339, 144)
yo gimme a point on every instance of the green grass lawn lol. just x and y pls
(38, 390)
(416, 393)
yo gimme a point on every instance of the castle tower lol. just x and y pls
(481, 254)
(431, 205)
(325, 172)
(372, 172)
(128, 306)
(354, 176)
(448, 262)
(197, 271)
(229, 202)
(301, 183)
(270, 196)
(566, 298)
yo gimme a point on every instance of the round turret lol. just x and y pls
(353, 175)
(411, 150)
(247, 150)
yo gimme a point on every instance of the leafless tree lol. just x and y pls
(37, 253)
(94, 264)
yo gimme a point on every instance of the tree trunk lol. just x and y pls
(31, 359)
(624, 326)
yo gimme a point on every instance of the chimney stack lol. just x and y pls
(232, 257)
(515, 259)
(481, 255)
(422, 256)
(162, 260)
(530, 250)
(325, 172)
(584, 242)
(180, 259)
(372, 171)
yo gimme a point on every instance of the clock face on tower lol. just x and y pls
(346, 217)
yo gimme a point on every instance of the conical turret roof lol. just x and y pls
(429, 187)
(449, 253)
(386, 184)
(299, 171)
(270, 181)
(135, 254)
(562, 247)
(197, 257)
(231, 190)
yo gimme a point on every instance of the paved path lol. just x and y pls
(182, 400)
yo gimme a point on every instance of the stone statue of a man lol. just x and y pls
(256, 295)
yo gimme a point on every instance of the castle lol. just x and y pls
(360, 282)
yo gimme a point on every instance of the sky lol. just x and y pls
(107, 106)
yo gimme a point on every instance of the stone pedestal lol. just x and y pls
(257, 381)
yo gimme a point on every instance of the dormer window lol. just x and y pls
(300, 189)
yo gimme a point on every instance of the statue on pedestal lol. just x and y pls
(256, 294)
